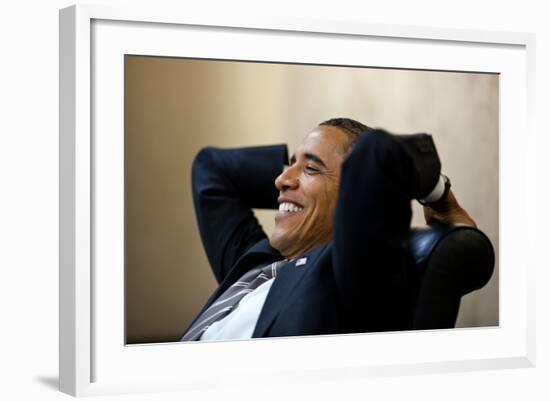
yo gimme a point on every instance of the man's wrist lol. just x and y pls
(439, 194)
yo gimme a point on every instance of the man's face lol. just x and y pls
(308, 189)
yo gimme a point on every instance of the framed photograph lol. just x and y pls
(141, 93)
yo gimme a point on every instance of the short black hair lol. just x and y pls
(353, 128)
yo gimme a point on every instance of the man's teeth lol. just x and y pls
(289, 207)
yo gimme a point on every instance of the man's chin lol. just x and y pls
(278, 240)
(274, 241)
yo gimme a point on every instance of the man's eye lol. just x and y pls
(312, 169)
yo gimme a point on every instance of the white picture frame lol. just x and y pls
(93, 357)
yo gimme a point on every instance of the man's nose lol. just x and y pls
(288, 179)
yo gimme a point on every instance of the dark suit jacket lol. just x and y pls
(357, 283)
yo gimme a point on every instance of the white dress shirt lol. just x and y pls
(241, 322)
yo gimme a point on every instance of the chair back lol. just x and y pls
(450, 261)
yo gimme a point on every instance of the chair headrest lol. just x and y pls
(462, 253)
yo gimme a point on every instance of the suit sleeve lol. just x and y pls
(371, 225)
(227, 185)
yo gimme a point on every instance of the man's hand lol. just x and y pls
(447, 211)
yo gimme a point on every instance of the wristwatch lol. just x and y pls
(440, 191)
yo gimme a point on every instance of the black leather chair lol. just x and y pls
(450, 261)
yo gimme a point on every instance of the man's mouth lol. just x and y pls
(289, 207)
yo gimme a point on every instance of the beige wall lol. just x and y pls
(176, 106)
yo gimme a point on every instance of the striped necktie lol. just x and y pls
(230, 299)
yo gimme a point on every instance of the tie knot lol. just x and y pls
(271, 270)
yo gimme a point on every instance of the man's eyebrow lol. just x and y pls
(309, 156)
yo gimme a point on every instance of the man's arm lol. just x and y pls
(227, 184)
(370, 256)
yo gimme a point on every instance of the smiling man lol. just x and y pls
(308, 189)
(337, 260)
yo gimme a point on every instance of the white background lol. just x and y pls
(29, 200)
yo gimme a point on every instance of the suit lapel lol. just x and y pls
(259, 254)
(288, 278)
(279, 295)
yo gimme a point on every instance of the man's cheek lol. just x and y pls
(303, 224)
(296, 225)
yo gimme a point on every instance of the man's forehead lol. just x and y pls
(323, 141)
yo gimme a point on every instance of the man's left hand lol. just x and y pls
(447, 211)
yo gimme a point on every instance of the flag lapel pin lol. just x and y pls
(301, 262)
